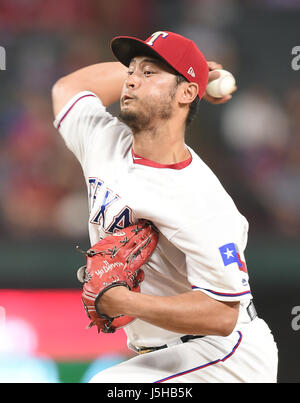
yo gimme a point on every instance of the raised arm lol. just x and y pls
(104, 79)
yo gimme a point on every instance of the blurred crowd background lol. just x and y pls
(252, 143)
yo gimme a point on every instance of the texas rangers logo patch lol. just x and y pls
(229, 253)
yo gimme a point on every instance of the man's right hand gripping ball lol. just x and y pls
(115, 261)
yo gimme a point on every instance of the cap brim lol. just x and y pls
(125, 48)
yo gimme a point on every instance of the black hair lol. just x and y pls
(193, 106)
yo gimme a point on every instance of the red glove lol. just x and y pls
(115, 261)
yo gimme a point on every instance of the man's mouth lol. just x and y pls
(126, 99)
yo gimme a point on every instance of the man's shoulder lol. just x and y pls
(86, 110)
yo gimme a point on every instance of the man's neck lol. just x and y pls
(162, 145)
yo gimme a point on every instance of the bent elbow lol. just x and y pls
(61, 92)
(58, 88)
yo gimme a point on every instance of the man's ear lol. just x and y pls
(188, 93)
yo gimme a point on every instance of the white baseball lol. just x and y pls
(222, 86)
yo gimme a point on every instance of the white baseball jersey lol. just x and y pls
(201, 247)
(202, 234)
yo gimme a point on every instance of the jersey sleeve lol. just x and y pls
(81, 120)
(215, 260)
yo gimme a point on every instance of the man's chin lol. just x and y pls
(136, 121)
(127, 115)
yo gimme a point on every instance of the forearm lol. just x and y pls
(189, 313)
(104, 79)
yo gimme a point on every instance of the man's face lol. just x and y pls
(148, 93)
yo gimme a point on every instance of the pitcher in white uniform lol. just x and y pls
(195, 317)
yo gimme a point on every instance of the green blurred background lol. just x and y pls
(251, 143)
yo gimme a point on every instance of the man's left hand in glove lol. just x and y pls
(115, 261)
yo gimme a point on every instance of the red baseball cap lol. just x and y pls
(181, 53)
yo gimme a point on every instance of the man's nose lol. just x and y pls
(132, 81)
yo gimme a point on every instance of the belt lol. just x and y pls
(142, 350)
(251, 310)
(183, 339)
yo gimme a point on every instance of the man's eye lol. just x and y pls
(129, 72)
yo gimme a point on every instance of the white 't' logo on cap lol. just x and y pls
(155, 36)
(191, 72)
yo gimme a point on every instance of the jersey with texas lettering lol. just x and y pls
(202, 234)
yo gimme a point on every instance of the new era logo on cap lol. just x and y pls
(181, 53)
(191, 72)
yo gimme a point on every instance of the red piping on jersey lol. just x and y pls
(144, 161)
(223, 294)
(207, 364)
(83, 96)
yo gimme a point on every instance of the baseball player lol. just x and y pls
(195, 319)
